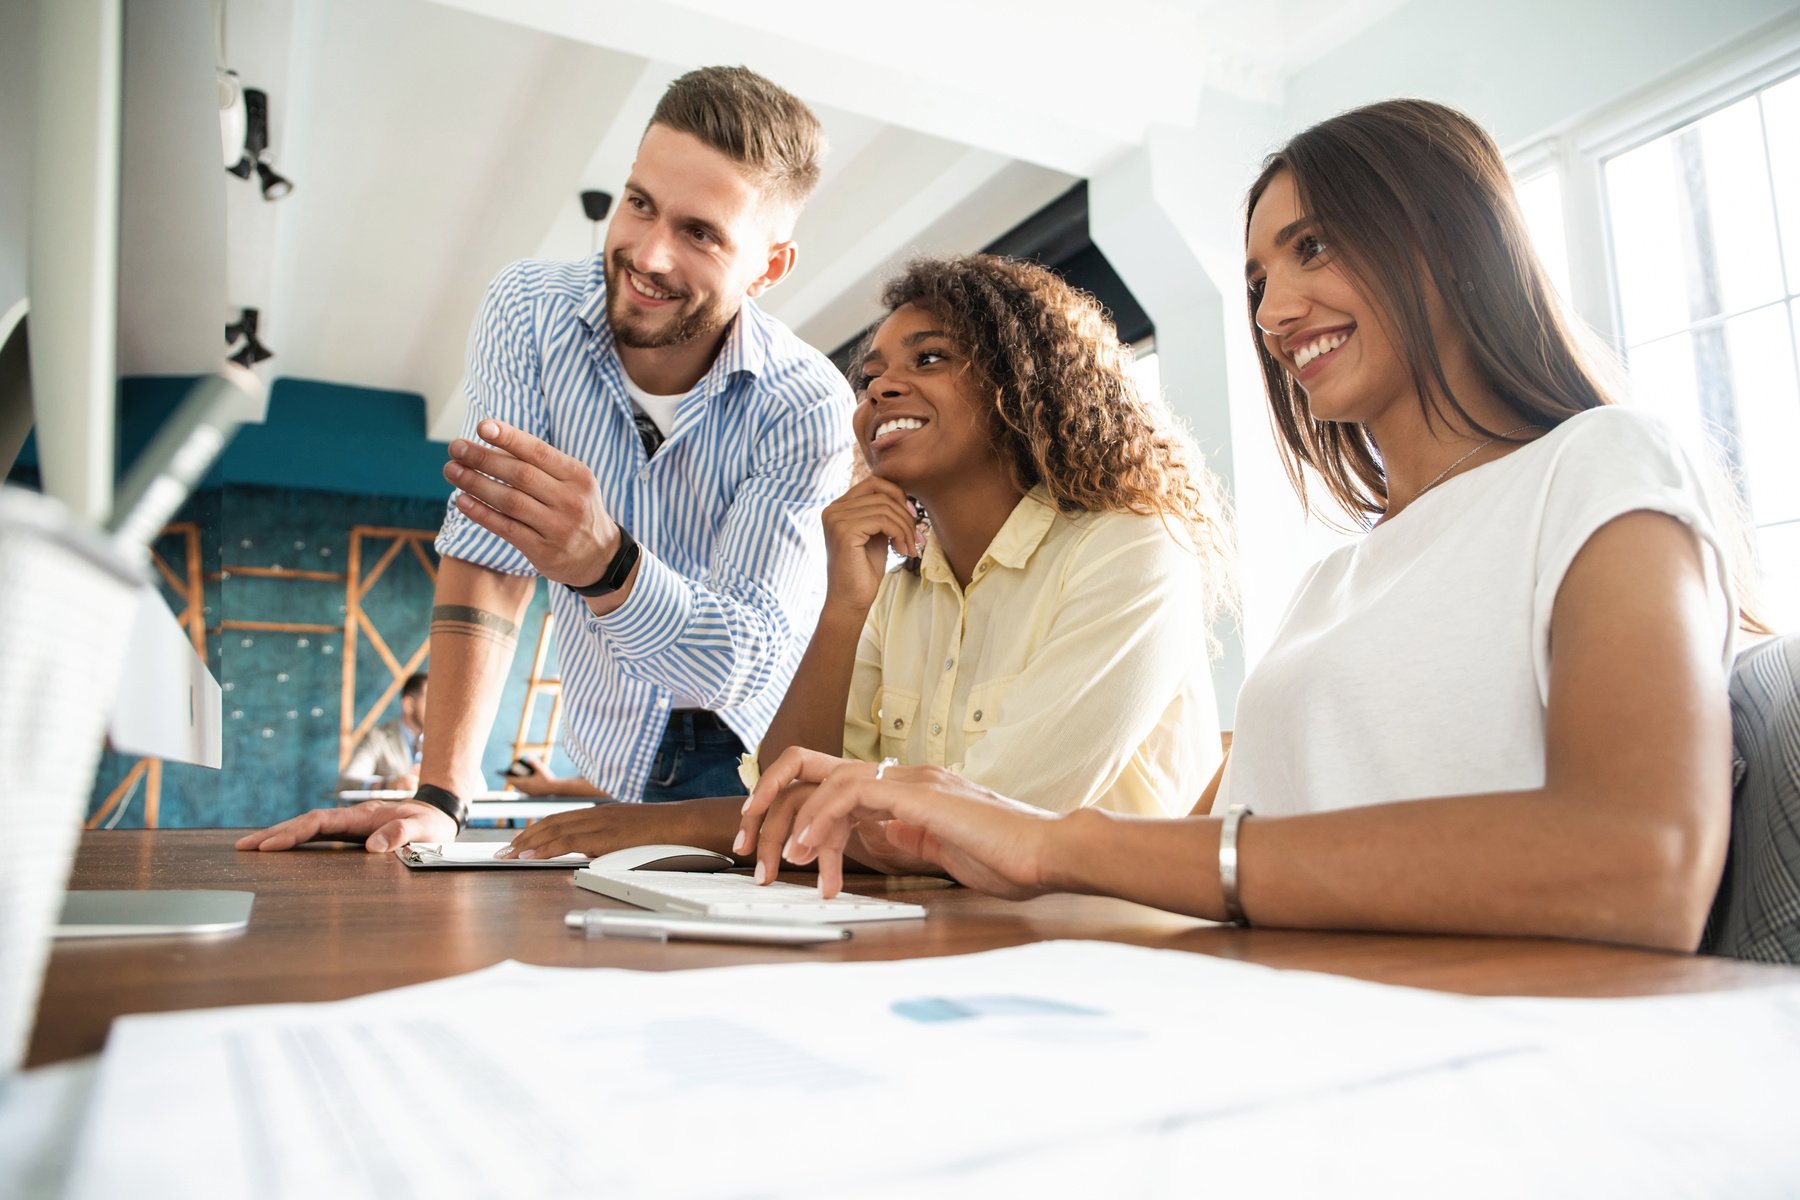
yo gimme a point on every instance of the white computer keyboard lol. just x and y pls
(729, 895)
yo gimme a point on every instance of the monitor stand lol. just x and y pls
(131, 913)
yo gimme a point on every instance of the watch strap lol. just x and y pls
(445, 801)
(617, 571)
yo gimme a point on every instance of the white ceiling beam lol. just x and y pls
(567, 235)
(1008, 196)
(844, 238)
(571, 235)
(1040, 81)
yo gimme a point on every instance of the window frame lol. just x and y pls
(1579, 149)
(1578, 154)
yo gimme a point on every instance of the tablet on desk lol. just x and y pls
(94, 914)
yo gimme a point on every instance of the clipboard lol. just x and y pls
(428, 856)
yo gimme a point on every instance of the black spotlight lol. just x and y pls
(596, 205)
(274, 186)
(256, 147)
(252, 351)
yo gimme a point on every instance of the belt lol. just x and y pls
(701, 718)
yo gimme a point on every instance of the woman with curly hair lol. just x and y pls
(1501, 711)
(1048, 633)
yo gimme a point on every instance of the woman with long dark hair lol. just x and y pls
(1503, 709)
(1064, 553)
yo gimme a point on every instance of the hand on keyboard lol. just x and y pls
(981, 838)
(867, 846)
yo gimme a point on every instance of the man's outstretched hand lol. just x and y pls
(380, 825)
(544, 502)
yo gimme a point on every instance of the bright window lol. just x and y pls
(1541, 200)
(1704, 224)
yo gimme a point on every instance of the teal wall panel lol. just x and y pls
(286, 494)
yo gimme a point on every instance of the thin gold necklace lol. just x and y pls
(1445, 473)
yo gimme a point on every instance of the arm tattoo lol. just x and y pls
(459, 620)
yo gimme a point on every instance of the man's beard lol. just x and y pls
(683, 328)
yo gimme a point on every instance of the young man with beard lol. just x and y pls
(658, 449)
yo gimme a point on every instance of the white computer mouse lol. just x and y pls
(663, 858)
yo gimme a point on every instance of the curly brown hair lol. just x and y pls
(1067, 410)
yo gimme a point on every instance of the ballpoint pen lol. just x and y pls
(662, 927)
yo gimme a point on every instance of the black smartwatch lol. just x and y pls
(445, 801)
(617, 571)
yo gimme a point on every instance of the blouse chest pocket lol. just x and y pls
(986, 702)
(894, 716)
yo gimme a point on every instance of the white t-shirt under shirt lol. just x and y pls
(660, 409)
(1415, 663)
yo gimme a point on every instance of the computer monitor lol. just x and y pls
(126, 203)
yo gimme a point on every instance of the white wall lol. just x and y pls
(1527, 67)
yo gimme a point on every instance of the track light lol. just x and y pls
(252, 351)
(256, 147)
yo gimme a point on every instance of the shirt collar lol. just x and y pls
(1013, 546)
(746, 348)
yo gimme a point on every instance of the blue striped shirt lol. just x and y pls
(727, 512)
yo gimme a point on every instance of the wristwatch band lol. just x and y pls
(445, 801)
(617, 571)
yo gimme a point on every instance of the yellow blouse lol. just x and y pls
(1073, 671)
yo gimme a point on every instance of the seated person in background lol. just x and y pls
(387, 759)
(1048, 634)
(1503, 711)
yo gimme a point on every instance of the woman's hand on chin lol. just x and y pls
(860, 526)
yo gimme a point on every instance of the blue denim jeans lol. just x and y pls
(698, 757)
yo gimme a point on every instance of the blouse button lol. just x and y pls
(978, 714)
(948, 663)
(899, 724)
(936, 729)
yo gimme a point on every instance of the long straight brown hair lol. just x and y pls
(1392, 188)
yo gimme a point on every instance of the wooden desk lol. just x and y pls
(332, 922)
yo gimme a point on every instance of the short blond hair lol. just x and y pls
(767, 131)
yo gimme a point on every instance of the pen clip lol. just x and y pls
(642, 933)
